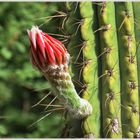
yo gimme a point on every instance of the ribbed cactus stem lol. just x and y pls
(128, 68)
(91, 124)
(136, 9)
(110, 78)
(74, 45)
(50, 57)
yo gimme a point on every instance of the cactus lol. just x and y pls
(128, 69)
(110, 71)
(103, 68)
(91, 125)
(136, 7)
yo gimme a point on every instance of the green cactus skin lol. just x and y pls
(128, 69)
(110, 71)
(91, 124)
(136, 8)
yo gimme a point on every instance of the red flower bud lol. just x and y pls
(45, 50)
(51, 58)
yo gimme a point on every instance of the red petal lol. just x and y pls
(32, 36)
(56, 42)
(45, 49)
(58, 54)
(35, 58)
(40, 44)
(50, 53)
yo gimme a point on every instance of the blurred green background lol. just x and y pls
(21, 86)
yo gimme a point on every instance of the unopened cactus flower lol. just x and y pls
(51, 58)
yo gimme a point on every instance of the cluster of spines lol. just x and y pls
(111, 113)
(128, 69)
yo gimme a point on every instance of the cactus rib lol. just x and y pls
(110, 71)
(136, 8)
(91, 124)
(128, 69)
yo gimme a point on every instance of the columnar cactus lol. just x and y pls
(136, 8)
(91, 124)
(110, 71)
(79, 27)
(103, 43)
(128, 68)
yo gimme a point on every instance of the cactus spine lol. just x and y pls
(128, 68)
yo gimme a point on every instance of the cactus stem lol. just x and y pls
(110, 71)
(128, 68)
